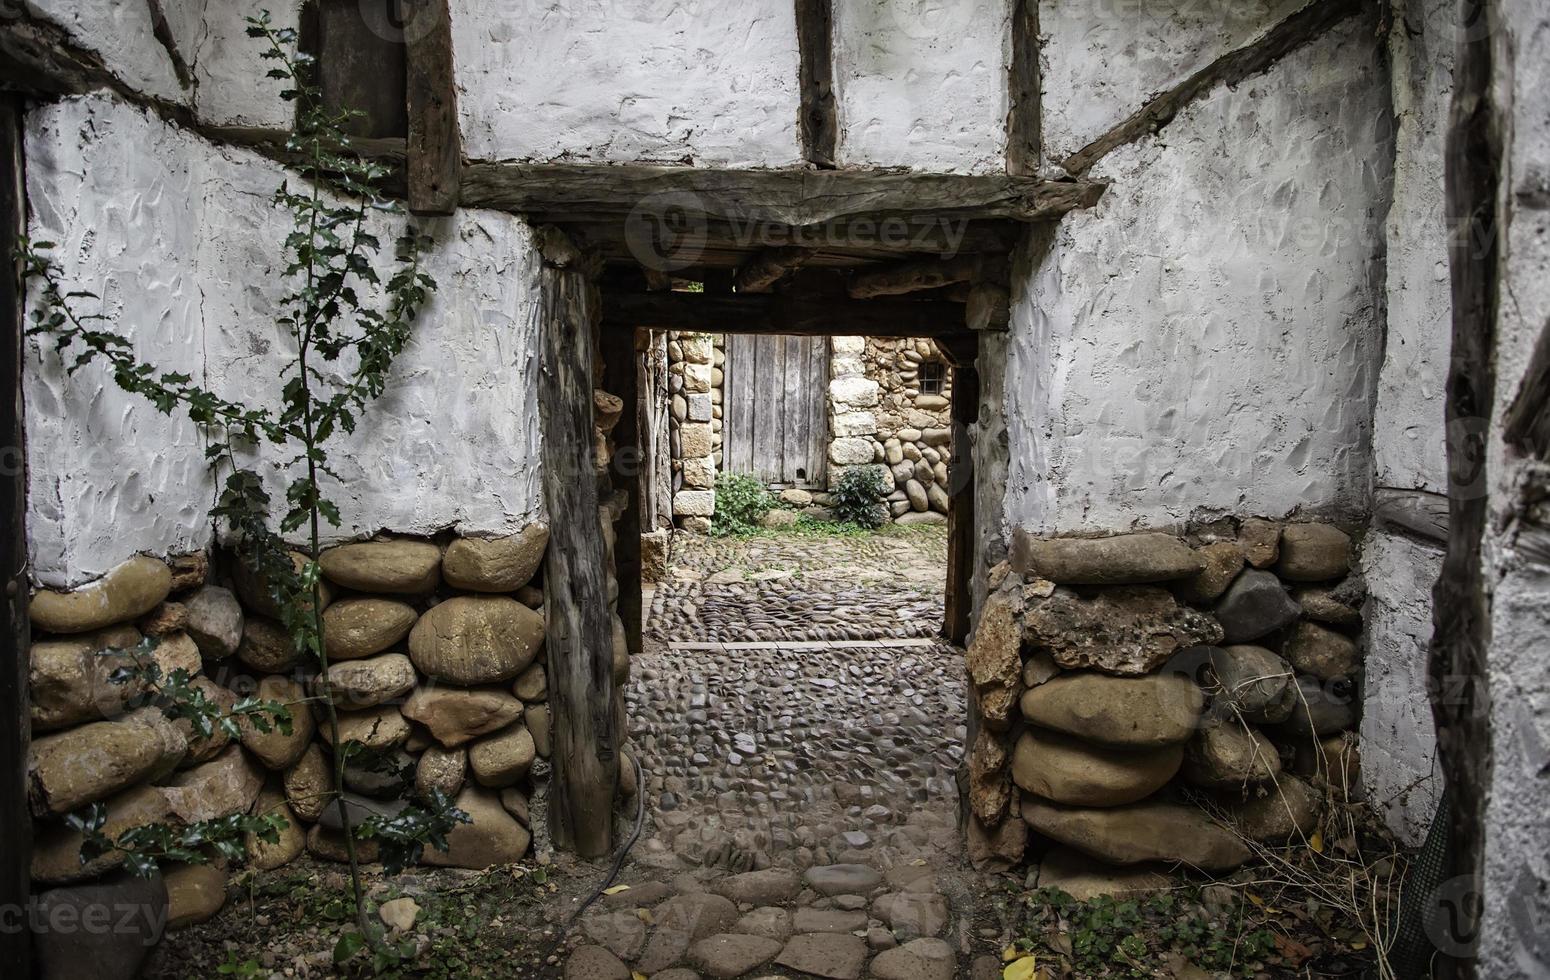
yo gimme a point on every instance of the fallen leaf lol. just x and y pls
(1317, 841)
(1021, 969)
(616, 890)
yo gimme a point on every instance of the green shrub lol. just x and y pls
(858, 497)
(741, 502)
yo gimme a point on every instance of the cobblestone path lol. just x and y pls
(801, 726)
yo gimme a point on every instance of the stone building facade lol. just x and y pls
(889, 405)
(1249, 325)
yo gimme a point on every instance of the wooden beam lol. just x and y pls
(1290, 34)
(621, 377)
(1025, 87)
(579, 630)
(1416, 512)
(819, 122)
(15, 730)
(435, 145)
(912, 277)
(780, 199)
(754, 313)
(768, 266)
(959, 602)
(1458, 671)
(1526, 426)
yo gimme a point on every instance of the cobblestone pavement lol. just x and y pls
(886, 586)
(801, 727)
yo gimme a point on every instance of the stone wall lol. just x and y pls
(694, 376)
(438, 667)
(1145, 699)
(878, 415)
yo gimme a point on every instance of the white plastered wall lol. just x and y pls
(1409, 445)
(227, 86)
(1139, 49)
(1205, 340)
(1515, 943)
(622, 81)
(181, 240)
(922, 83)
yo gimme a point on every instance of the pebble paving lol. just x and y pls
(787, 721)
(800, 726)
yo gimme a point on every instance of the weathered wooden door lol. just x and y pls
(775, 393)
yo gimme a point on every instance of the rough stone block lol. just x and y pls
(695, 440)
(694, 503)
(699, 408)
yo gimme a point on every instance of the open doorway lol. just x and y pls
(796, 695)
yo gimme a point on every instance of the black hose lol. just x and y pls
(613, 872)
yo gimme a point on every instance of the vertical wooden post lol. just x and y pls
(621, 377)
(15, 733)
(959, 605)
(579, 640)
(819, 123)
(1458, 671)
(1024, 114)
(435, 149)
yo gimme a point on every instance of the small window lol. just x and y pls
(933, 377)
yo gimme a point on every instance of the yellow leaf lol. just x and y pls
(1317, 841)
(1023, 969)
(1358, 944)
(1010, 953)
(1256, 900)
(637, 975)
(615, 890)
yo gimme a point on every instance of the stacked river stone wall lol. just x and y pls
(1145, 700)
(694, 375)
(437, 666)
(878, 416)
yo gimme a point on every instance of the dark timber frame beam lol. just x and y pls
(1024, 120)
(1416, 512)
(1290, 34)
(819, 123)
(752, 313)
(15, 730)
(435, 148)
(579, 630)
(913, 277)
(760, 273)
(1458, 671)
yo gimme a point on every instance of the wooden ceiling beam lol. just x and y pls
(768, 266)
(912, 277)
(774, 313)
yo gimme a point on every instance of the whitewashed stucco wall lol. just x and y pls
(228, 86)
(181, 239)
(922, 83)
(1139, 50)
(619, 81)
(1205, 341)
(1409, 445)
(1515, 944)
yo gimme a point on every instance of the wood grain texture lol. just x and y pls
(744, 313)
(1025, 87)
(913, 277)
(784, 198)
(775, 392)
(1460, 607)
(360, 69)
(1526, 426)
(768, 266)
(959, 601)
(435, 146)
(1416, 512)
(579, 630)
(621, 376)
(16, 855)
(819, 122)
